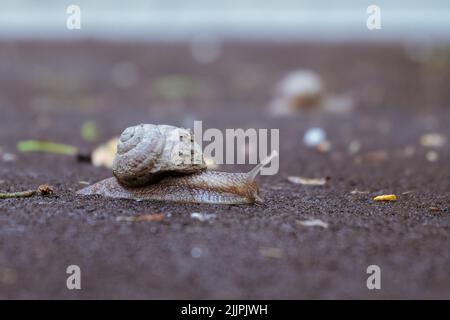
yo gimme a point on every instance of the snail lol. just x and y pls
(162, 162)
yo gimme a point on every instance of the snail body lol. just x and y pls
(176, 181)
(204, 187)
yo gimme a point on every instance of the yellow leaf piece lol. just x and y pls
(105, 153)
(386, 197)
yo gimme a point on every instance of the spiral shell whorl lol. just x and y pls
(146, 152)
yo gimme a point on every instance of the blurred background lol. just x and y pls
(366, 112)
(201, 56)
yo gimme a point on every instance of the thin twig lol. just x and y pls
(20, 194)
(43, 190)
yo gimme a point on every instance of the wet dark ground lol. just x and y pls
(48, 90)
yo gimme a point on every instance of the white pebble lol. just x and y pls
(314, 137)
(196, 252)
(203, 216)
(432, 156)
(9, 157)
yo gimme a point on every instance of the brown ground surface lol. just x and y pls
(48, 90)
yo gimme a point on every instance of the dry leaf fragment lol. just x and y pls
(376, 156)
(313, 223)
(104, 154)
(307, 181)
(271, 252)
(45, 190)
(386, 197)
(211, 163)
(432, 140)
(150, 217)
(144, 217)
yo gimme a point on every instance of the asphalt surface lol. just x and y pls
(245, 252)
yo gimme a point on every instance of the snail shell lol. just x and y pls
(149, 166)
(147, 152)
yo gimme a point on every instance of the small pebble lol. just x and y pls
(203, 216)
(314, 137)
(196, 252)
(354, 147)
(9, 157)
(432, 156)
